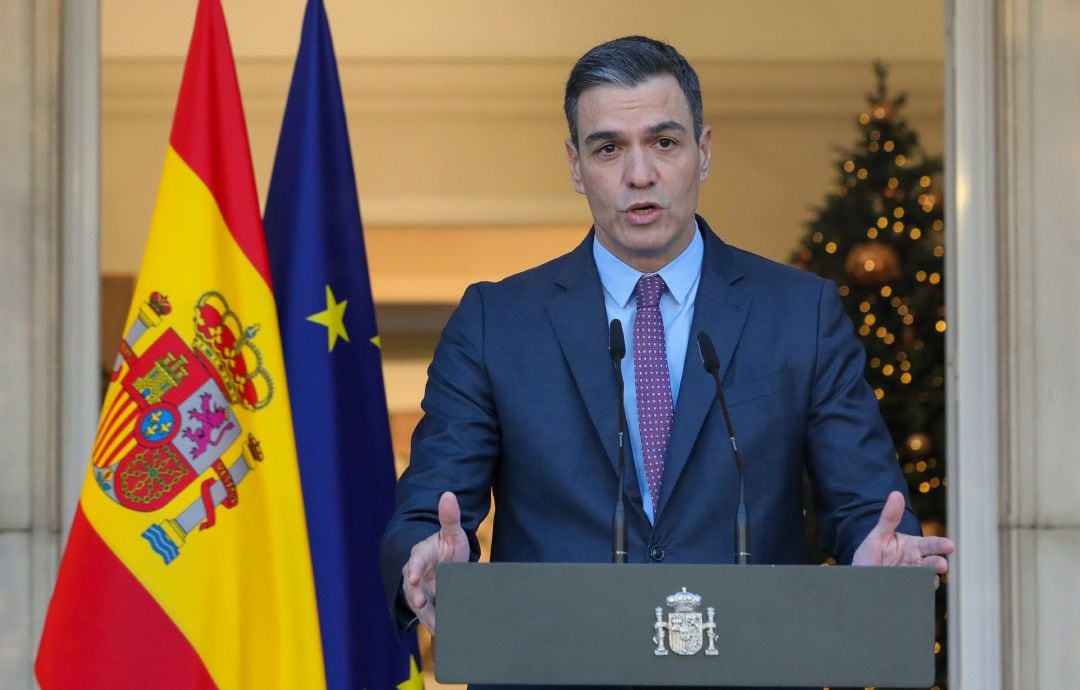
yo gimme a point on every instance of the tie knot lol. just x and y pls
(649, 288)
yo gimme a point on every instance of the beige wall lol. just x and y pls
(456, 124)
(455, 117)
(468, 147)
(467, 133)
(732, 29)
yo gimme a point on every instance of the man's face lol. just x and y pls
(638, 165)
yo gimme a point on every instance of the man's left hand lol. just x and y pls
(885, 546)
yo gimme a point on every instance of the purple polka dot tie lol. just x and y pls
(652, 380)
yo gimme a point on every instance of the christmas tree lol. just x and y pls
(880, 237)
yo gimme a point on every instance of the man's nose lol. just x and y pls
(640, 172)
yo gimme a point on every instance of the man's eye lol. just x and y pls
(606, 149)
(665, 143)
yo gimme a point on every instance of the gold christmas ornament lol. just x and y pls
(882, 112)
(872, 263)
(918, 445)
(934, 196)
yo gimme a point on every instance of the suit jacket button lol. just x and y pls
(656, 553)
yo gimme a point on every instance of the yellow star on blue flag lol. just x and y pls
(415, 681)
(314, 237)
(333, 317)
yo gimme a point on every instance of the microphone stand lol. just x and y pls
(742, 520)
(617, 349)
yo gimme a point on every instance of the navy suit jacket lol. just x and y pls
(521, 400)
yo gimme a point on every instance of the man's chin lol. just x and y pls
(650, 257)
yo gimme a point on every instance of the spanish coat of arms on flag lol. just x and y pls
(188, 561)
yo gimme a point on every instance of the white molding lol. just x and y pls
(44, 331)
(80, 233)
(531, 88)
(1019, 269)
(1020, 547)
(974, 358)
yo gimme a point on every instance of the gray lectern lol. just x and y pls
(602, 624)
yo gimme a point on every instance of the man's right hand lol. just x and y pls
(449, 544)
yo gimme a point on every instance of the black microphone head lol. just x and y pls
(616, 343)
(708, 353)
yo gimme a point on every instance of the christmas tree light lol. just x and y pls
(879, 236)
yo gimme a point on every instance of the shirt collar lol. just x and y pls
(680, 274)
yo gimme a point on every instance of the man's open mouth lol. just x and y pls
(642, 209)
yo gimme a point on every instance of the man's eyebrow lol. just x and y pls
(666, 126)
(602, 134)
(669, 125)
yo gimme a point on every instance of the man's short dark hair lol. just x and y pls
(627, 62)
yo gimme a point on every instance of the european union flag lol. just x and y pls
(332, 361)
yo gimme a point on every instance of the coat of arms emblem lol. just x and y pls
(173, 418)
(685, 631)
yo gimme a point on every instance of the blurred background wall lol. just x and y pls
(455, 114)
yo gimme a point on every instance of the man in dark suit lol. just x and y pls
(522, 399)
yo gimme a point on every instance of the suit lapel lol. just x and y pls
(720, 309)
(579, 319)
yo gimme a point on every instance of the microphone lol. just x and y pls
(617, 350)
(742, 520)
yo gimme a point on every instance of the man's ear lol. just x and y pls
(705, 149)
(574, 159)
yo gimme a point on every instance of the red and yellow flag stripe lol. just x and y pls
(234, 606)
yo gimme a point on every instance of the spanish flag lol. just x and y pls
(188, 562)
